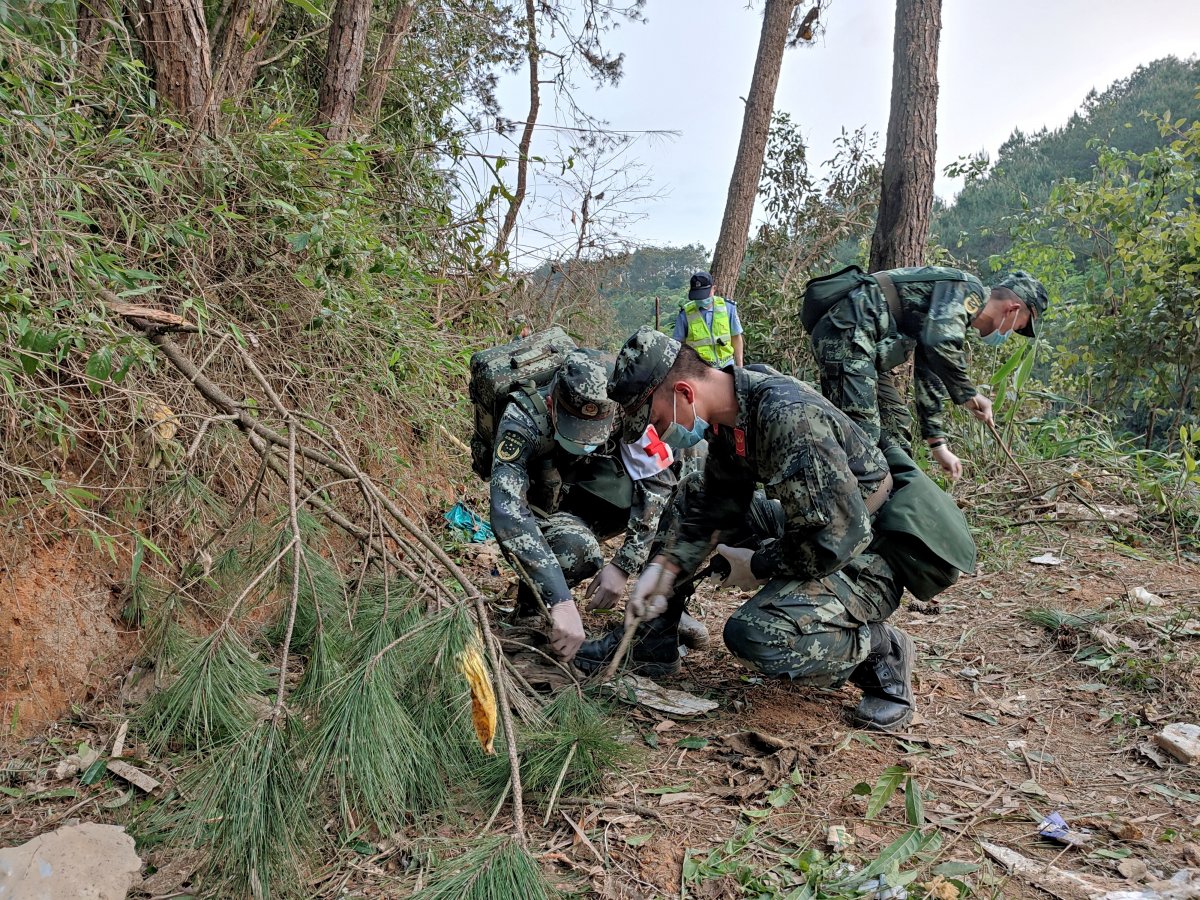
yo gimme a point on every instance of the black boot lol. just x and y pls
(886, 680)
(655, 648)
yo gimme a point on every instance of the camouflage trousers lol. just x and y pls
(856, 348)
(576, 548)
(814, 632)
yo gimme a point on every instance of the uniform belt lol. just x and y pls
(880, 496)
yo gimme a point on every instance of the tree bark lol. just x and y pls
(91, 36)
(756, 125)
(514, 206)
(239, 46)
(343, 67)
(385, 58)
(906, 201)
(175, 36)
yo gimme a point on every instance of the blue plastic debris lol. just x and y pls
(1055, 827)
(467, 526)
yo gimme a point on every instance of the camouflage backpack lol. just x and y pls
(524, 365)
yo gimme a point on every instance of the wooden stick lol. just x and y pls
(622, 648)
(1012, 459)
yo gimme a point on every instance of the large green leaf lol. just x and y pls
(884, 788)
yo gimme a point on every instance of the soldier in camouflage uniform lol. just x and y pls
(822, 591)
(857, 342)
(561, 483)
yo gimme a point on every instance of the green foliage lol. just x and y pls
(244, 804)
(1120, 253)
(815, 224)
(578, 745)
(491, 869)
(635, 280)
(974, 226)
(210, 697)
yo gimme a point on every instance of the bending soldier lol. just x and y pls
(921, 313)
(824, 584)
(561, 483)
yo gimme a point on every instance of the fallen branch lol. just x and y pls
(266, 440)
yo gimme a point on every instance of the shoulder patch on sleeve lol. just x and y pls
(512, 444)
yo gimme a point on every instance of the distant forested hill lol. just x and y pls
(1027, 164)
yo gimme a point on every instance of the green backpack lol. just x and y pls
(822, 293)
(524, 365)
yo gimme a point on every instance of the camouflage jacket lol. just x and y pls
(934, 317)
(809, 456)
(531, 475)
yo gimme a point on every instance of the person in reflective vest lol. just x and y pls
(710, 325)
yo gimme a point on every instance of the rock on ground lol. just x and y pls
(76, 862)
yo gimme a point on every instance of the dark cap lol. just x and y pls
(699, 286)
(582, 411)
(1029, 291)
(642, 365)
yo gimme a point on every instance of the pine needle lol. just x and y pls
(210, 699)
(382, 764)
(321, 595)
(578, 747)
(244, 805)
(1054, 619)
(493, 869)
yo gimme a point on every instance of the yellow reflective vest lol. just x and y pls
(716, 346)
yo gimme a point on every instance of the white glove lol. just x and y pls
(566, 629)
(648, 598)
(981, 408)
(740, 573)
(606, 588)
(950, 463)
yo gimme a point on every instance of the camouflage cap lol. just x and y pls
(582, 411)
(642, 365)
(1029, 291)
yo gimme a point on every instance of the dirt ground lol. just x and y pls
(1009, 729)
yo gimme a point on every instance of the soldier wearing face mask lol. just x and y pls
(922, 313)
(562, 482)
(710, 325)
(837, 531)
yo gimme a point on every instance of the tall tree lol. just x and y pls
(343, 67)
(533, 52)
(906, 200)
(575, 31)
(756, 125)
(385, 58)
(91, 35)
(239, 44)
(174, 34)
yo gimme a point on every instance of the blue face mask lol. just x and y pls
(706, 303)
(575, 448)
(676, 436)
(999, 335)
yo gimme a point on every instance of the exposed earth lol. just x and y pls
(1010, 727)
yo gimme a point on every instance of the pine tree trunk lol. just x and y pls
(175, 37)
(385, 59)
(906, 203)
(343, 67)
(91, 36)
(756, 125)
(514, 206)
(240, 45)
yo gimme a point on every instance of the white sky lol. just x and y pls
(1003, 64)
